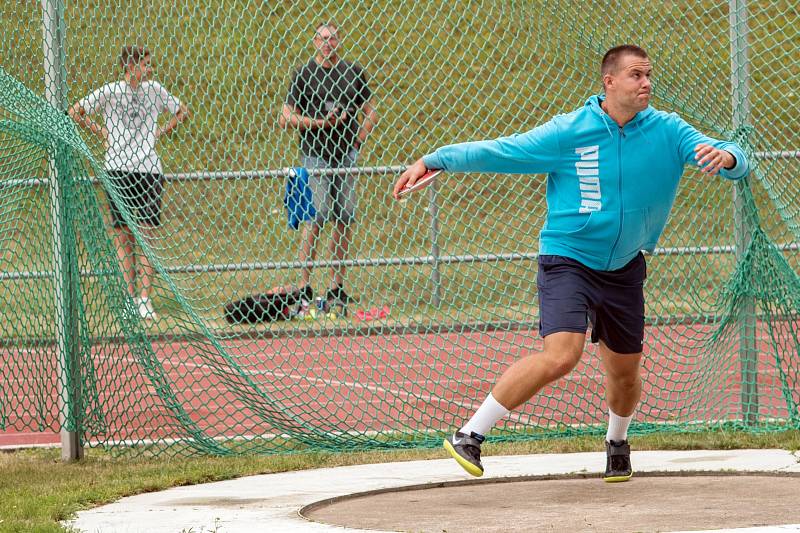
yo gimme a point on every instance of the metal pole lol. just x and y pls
(740, 101)
(65, 291)
(433, 209)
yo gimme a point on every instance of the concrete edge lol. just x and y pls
(276, 500)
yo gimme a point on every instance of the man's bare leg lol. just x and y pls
(123, 241)
(518, 384)
(623, 392)
(308, 249)
(340, 245)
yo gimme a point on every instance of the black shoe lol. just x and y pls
(618, 461)
(307, 293)
(303, 307)
(466, 449)
(338, 296)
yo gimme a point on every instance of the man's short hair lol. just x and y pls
(611, 58)
(132, 54)
(330, 25)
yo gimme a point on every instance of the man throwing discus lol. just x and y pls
(613, 168)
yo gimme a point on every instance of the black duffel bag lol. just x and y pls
(275, 304)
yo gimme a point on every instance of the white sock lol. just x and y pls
(617, 426)
(485, 417)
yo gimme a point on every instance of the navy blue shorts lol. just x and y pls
(571, 295)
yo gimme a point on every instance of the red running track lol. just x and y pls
(367, 384)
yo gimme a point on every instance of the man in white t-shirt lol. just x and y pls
(130, 130)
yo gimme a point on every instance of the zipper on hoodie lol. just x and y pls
(619, 191)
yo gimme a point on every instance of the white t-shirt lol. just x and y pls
(130, 117)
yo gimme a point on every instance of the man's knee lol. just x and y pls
(623, 372)
(564, 350)
(565, 362)
(630, 380)
(311, 228)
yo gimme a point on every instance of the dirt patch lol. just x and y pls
(646, 503)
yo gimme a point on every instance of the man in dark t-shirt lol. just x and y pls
(329, 103)
(315, 92)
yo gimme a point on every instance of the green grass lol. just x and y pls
(37, 490)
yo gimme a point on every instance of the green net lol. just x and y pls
(442, 286)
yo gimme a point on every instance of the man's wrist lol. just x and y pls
(733, 164)
(431, 161)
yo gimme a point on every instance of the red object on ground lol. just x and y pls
(373, 313)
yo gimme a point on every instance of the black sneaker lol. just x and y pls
(304, 303)
(466, 450)
(618, 461)
(307, 293)
(338, 296)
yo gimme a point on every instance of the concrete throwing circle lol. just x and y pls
(649, 502)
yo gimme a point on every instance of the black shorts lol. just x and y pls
(571, 295)
(140, 193)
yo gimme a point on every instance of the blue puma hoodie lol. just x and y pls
(609, 189)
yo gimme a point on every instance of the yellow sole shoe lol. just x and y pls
(465, 464)
(617, 479)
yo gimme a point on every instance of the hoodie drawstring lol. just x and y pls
(605, 123)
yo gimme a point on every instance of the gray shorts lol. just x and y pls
(334, 197)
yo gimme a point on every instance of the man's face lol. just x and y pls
(629, 86)
(142, 70)
(326, 41)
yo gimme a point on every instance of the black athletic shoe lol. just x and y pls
(307, 293)
(304, 304)
(338, 296)
(466, 449)
(618, 461)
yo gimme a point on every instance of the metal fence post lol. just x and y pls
(433, 210)
(64, 267)
(740, 101)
